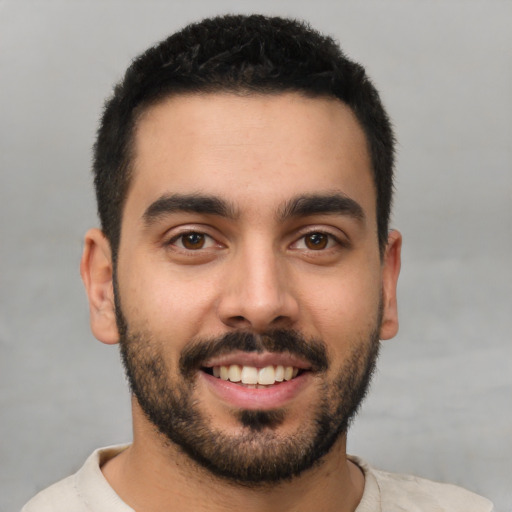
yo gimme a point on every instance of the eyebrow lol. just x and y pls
(193, 203)
(300, 206)
(322, 204)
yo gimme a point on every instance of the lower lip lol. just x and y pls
(242, 397)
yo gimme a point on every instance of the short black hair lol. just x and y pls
(240, 54)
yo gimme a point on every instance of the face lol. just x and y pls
(250, 290)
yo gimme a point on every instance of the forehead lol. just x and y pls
(256, 149)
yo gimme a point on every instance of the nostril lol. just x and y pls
(238, 321)
(281, 322)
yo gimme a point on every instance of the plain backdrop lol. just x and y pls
(441, 403)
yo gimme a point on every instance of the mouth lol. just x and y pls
(254, 377)
(250, 380)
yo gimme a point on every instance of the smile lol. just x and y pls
(253, 377)
(251, 380)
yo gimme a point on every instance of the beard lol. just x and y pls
(257, 454)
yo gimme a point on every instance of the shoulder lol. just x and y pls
(407, 493)
(85, 491)
(59, 497)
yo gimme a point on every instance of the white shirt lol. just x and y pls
(88, 491)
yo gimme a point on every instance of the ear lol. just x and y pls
(390, 271)
(97, 274)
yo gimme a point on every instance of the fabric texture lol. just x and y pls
(88, 491)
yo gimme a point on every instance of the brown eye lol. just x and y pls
(193, 241)
(316, 241)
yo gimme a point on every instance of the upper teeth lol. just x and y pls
(252, 375)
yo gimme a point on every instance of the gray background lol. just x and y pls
(441, 404)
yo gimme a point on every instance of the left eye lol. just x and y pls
(193, 241)
(316, 241)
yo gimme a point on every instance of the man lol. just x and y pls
(243, 171)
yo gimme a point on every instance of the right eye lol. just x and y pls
(192, 241)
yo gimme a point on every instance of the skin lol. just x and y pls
(255, 272)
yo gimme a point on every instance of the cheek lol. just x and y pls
(169, 304)
(342, 307)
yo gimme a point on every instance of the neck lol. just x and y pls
(152, 475)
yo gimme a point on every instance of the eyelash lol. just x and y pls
(331, 241)
(181, 236)
(303, 238)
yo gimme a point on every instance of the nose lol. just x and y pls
(257, 294)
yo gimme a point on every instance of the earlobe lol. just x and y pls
(96, 270)
(390, 271)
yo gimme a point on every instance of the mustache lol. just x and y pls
(312, 350)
